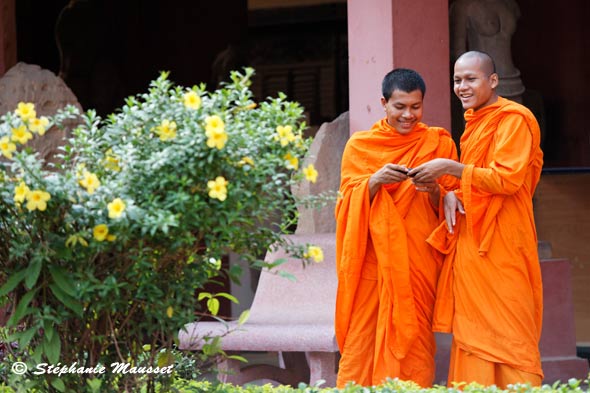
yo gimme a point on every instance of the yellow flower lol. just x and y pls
(169, 311)
(215, 132)
(116, 208)
(100, 232)
(26, 110)
(89, 181)
(214, 123)
(20, 192)
(111, 161)
(37, 200)
(21, 135)
(39, 125)
(192, 100)
(285, 135)
(216, 138)
(291, 162)
(246, 160)
(7, 147)
(315, 253)
(166, 130)
(310, 173)
(218, 188)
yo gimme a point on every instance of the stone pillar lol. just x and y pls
(558, 338)
(386, 34)
(7, 35)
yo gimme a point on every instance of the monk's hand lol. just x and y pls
(387, 174)
(430, 171)
(430, 187)
(390, 173)
(452, 204)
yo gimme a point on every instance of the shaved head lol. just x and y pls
(475, 80)
(486, 63)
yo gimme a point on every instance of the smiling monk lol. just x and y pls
(387, 273)
(490, 292)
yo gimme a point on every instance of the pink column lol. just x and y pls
(7, 35)
(387, 34)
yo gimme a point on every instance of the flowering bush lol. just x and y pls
(101, 257)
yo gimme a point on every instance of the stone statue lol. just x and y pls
(488, 26)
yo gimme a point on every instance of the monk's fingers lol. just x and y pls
(450, 219)
(414, 171)
(460, 207)
(423, 176)
(396, 176)
(424, 186)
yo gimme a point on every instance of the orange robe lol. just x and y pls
(387, 273)
(490, 290)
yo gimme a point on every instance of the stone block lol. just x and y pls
(325, 154)
(30, 83)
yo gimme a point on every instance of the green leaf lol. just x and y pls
(22, 308)
(52, 348)
(26, 337)
(244, 317)
(33, 272)
(228, 296)
(37, 354)
(213, 347)
(287, 275)
(203, 295)
(58, 384)
(213, 305)
(94, 384)
(66, 300)
(49, 331)
(12, 282)
(165, 358)
(237, 357)
(60, 279)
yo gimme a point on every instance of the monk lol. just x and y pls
(490, 290)
(387, 273)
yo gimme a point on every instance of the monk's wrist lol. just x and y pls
(455, 169)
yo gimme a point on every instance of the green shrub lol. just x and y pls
(390, 386)
(101, 256)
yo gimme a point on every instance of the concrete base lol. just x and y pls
(558, 339)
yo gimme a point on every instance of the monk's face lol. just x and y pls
(403, 110)
(473, 85)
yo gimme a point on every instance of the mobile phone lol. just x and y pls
(405, 172)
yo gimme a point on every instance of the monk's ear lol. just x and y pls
(494, 80)
(383, 102)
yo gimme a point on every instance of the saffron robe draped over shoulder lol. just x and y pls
(490, 291)
(390, 231)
